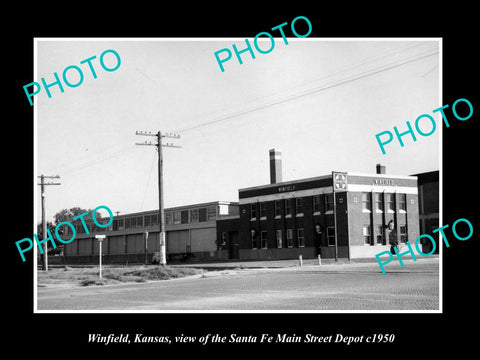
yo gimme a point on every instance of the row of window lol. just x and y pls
(171, 218)
(379, 236)
(191, 216)
(288, 205)
(262, 242)
(379, 198)
(80, 229)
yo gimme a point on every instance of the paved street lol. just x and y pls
(356, 286)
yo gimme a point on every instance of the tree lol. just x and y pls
(41, 235)
(66, 215)
(69, 214)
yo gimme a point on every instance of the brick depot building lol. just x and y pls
(133, 238)
(339, 215)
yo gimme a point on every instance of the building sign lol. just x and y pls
(339, 182)
(286, 188)
(384, 182)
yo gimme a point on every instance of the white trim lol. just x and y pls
(379, 189)
(291, 194)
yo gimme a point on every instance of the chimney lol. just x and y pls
(275, 166)
(380, 169)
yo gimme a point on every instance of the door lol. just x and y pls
(233, 252)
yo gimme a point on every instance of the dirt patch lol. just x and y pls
(110, 275)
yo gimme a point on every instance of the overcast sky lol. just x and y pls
(320, 101)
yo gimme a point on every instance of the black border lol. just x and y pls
(66, 334)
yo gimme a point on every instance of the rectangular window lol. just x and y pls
(366, 204)
(253, 211)
(184, 216)
(378, 202)
(133, 222)
(139, 221)
(390, 200)
(367, 234)
(169, 218)
(194, 215)
(288, 207)
(403, 233)
(115, 225)
(299, 206)
(278, 235)
(127, 223)
(147, 220)
(211, 213)
(121, 224)
(177, 217)
(301, 237)
(154, 219)
(263, 210)
(278, 208)
(253, 238)
(202, 214)
(380, 234)
(263, 239)
(331, 235)
(317, 203)
(328, 202)
(289, 238)
(402, 202)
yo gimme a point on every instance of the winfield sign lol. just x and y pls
(384, 182)
(286, 188)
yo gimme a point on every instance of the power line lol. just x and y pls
(95, 162)
(311, 91)
(85, 158)
(366, 61)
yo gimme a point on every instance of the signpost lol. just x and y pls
(100, 240)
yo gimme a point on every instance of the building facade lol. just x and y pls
(133, 238)
(340, 215)
(429, 205)
(308, 217)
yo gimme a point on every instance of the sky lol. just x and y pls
(319, 101)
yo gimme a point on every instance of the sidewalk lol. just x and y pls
(278, 264)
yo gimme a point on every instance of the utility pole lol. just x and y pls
(161, 216)
(44, 222)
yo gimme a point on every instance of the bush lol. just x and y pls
(90, 282)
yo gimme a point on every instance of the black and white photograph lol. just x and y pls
(213, 179)
(275, 192)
